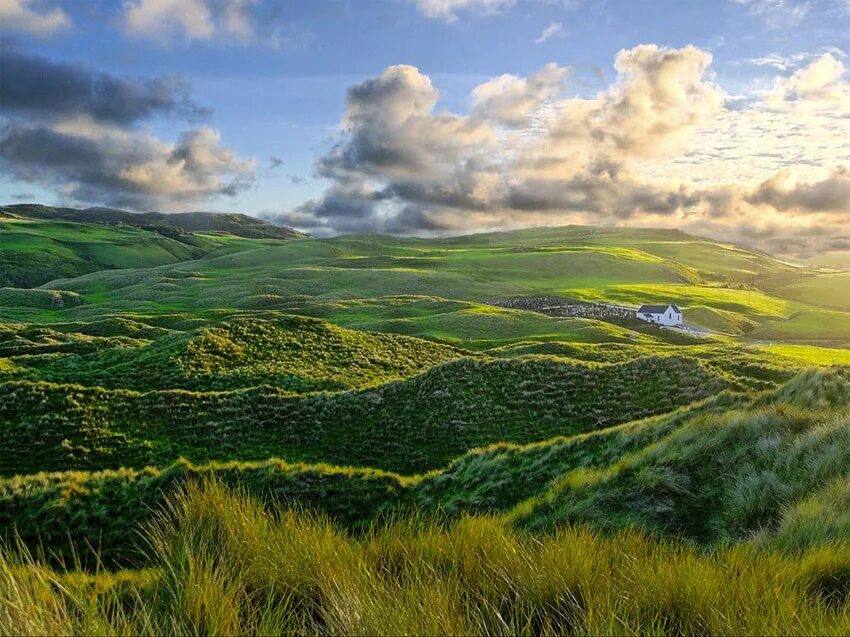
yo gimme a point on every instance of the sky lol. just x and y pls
(727, 118)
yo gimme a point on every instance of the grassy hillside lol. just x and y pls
(292, 353)
(812, 326)
(719, 471)
(223, 564)
(630, 266)
(100, 514)
(34, 252)
(347, 435)
(722, 477)
(184, 222)
(408, 427)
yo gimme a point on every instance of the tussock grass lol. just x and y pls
(406, 427)
(224, 564)
(723, 476)
(293, 353)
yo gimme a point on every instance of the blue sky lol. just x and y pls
(275, 75)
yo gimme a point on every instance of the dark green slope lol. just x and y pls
(230, 223)
(39, 244)
(770, 468)
(407, 426)
(724, 476)
(292, 353)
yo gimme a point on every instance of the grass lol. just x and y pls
(224, 564)
(292, 353)
(713, 473)
(330, 277)
(723, 476)
(808, 355)
(35, 252)
(344, 436)
(815, 327)
(829, 290)
(96, 518)
(408, 427)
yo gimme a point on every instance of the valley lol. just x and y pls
(378, 398)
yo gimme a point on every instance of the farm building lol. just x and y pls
(668, 314)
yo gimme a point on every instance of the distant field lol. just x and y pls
(35, 252)
(814, 326)
(828, 290)
(332, 277)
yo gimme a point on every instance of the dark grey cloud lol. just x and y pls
(782, 192)
(36, 87)
(78, 132)
(121, 168)
(838, 244)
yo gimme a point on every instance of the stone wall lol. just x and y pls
(558, 306)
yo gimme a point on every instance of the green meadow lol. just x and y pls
(222, 427)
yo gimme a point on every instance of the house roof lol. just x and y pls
(658, 309)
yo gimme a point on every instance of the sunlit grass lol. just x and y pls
(222, 564)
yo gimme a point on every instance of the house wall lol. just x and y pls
(668, 318)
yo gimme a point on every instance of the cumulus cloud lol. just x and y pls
(89, 161)
(661, 145)
(391, 130)
(822, 84)
(80, 133)
(32, 16)
(784, 191)
(555, 29)
(448, 9)
(523, 150)
(661, 97)
(512, 100)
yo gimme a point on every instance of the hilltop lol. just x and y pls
(41, 243)
(419, 286)
(236, 224)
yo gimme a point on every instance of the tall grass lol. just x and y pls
(226, 565)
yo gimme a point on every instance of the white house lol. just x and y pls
(668, 314)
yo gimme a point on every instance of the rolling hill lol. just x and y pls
(235, 224)
(366, 281)
(176, 399)
(39, 243)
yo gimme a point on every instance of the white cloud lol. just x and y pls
(777, 13)
(448, 9)
(512, 101)
(32, 16)
(555, 29)
(660, 146)
(820, 85)
(162, 21)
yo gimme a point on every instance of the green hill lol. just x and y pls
(407, 426)
(769, 469)
(186, 222)
(292, 353)
(39, 244)
(724, 476)
(387, 283)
